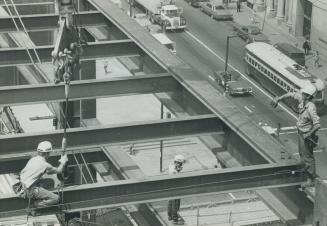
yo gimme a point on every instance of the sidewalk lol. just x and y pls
(279, 32)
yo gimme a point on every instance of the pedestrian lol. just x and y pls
(29, 185)
(306, 46)
(308, 123)
(106, 67)
(316, 58)
(174, 205)
(238, 5)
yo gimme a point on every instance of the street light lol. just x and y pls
(227, 50)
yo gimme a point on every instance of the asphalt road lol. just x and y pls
(203, 46)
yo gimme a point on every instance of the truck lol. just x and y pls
(165, 13)
(164, 40)
(154, 30)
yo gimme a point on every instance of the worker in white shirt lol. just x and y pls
(35, 168)
(308, 123)
(174, 205)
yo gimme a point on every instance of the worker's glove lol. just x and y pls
(274, 102)
(64, 159)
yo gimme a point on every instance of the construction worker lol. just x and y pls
(35, 168)
(174, 205)
(308, 124)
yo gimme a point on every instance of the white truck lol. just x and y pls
(165, 13)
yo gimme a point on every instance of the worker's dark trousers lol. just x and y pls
(306, 153)
(173, 208)
(42, 197)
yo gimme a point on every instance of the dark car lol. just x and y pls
(292, 52)
(250, 33)
(218, 12)
(195, 3)
(233, 83)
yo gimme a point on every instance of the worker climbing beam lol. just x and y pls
(25, 94)
(119, 193)
(92, 51)
(44, 22)
(97, 136)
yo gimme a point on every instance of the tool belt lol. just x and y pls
(20, 190)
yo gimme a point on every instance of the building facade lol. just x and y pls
(304, 18)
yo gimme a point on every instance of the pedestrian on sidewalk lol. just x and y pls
(306, 46)
(308, 123)
(316, 58)
(238, 5)
(106, 67)
(174, 205)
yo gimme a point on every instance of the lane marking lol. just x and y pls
(244, 76)
(248, 109)
(212, 78)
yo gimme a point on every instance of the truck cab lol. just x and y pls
(171, 17)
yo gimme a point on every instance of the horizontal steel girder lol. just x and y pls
(14, 164)
(119, 193)
(97, 136)
(24, 94)
(42, 22)
(93, 50)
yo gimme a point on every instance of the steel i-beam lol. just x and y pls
(118, 193)
(41, 93)
(98, 136)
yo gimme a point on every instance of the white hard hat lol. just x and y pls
(310, 90)
(44, 146)
(179, 158)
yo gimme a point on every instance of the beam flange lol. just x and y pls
(92, 51)
(98, 136)
(44, 22)
(118, 193)
(14, 164)
(42, 93)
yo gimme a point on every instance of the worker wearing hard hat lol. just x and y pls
(35, 168)
(308, 124)
(174, 205)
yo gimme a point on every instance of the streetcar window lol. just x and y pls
(265, 71)
(278, 81)
(288, 88)
(259, 66)
(282, 83)
(255, 63)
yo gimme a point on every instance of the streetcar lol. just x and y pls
(279, 74)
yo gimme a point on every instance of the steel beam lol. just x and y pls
(14, 164)
(25, 94)
(92, 51)
(43, 22)
(98, 136)
(133, 191)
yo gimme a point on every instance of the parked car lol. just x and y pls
(292, 52)
(250, 33)
(196, 3)
(233, 83)
(218, 12)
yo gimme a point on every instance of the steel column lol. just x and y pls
(41, 93)
(97, 136)
(43, 22)
(118, 193)
(93, 50)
